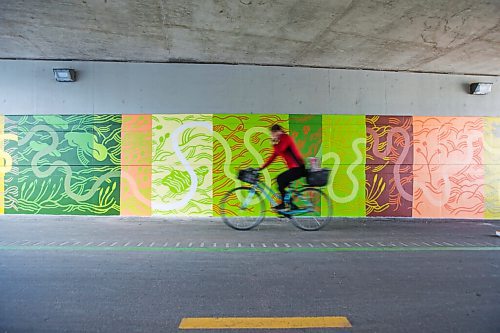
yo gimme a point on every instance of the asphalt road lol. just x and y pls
(145, 286)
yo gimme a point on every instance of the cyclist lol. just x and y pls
(285, 147)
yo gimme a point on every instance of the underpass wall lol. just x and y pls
(164, 139)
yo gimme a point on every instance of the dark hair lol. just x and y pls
(276, 128)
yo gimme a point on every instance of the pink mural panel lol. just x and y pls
(448, 171)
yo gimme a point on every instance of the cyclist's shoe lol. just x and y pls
(281, 206)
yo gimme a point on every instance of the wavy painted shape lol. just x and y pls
(388, 148)
(61, 164)
(350, 171)
(192, 174)
(5, 158)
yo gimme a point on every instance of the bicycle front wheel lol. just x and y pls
(316, 207)
(242, 208)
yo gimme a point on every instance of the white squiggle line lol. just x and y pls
(350, 169)
(134, 188)
(402, 156)
(254, 152)
(7, 159)
(447, 184)
(194, 178)
(228, 154)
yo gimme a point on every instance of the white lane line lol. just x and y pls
(459, 244)
(215, 245)
(324, 245)
(89, 243)
(75, 243)
(370, 245)
(426, 244)
(276, 245)
(438, 244)
(165, 245)
(102, 243)
(469, 244)
(126, 244)
(488, 243)
(37, 243)
(114, 243)
(177, 244)
(298, 245)
(310, 245)
(140, 244)
(286, 245)
(416, 244)
(64, 243)
(252, 245)
(239, 244)
(446, 243)
(26, 242)
(264, 245)
(359, 245)
(50, 243)
(190, 244)
(152, 244)
(403, 244)
(381, 244)
(227, 245)
(202, 244)
(335, 244)
(347, 244)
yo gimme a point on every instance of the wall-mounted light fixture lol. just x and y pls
(64, 74)
(480, 88)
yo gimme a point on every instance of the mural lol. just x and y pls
(182, 165)
(448, 171)
(64, 165)
(143, 165)
(344, 152)
(491, 132)
(136, 165)
(242, 141)
(389, 161)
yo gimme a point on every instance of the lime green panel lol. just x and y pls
(344, 140)
(242, 141)
(491, 162)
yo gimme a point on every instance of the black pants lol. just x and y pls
(284, 179)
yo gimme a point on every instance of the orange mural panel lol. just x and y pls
(448, 172)
(135, 196)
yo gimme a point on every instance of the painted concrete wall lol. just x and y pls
(28, 87)
(145, 139)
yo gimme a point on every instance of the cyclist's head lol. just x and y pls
(276, 128)
(276, 131)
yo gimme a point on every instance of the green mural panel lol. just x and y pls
(242, 141)
(182, 165)
(64, 165)
(344, 140)
(492, 167)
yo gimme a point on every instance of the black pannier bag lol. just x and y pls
(317, 177)
(249, 175)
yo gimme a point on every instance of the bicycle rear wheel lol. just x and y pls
(317, 207)
(242, 208)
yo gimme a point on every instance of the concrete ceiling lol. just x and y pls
(450, 36)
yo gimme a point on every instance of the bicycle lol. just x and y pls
(309, 207)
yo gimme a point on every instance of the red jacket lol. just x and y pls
(287, 149)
